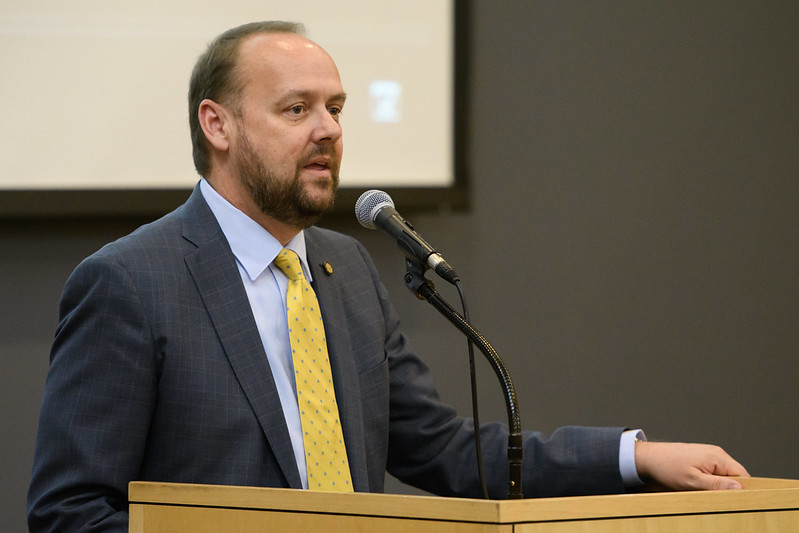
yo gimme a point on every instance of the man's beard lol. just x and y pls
(285, 200)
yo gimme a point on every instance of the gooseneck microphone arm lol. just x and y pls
(375, 209)
(423, 288)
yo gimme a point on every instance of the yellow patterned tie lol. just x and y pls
(325, 454)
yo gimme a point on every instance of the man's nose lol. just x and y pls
(327, 128)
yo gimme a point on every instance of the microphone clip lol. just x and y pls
(414, 277)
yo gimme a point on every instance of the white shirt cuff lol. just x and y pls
(629, 474)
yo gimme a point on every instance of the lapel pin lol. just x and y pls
(328, 268)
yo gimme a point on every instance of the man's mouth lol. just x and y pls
(320, 164)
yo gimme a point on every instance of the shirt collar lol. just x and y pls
(253, 246)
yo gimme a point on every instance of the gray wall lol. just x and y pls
(635, 167)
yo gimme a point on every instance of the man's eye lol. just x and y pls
(297, 109)
(335, 111)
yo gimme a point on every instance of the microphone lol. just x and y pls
(375, 209)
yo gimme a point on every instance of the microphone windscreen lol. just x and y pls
(369, 204)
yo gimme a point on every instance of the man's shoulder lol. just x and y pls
(330, 242)
(319, 235)
(158, 234)
(152, 244)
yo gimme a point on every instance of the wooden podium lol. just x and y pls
(765, 505)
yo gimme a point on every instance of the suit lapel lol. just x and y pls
(214, 270)
(342, 362)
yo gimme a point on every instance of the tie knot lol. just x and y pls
(289, 262)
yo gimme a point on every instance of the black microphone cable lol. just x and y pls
(473, 382)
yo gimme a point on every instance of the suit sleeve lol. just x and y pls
(432, 448)
(97, 405)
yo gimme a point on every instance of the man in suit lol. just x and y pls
(171, 360)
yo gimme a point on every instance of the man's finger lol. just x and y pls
(709, 482)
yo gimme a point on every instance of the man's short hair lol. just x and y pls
(214, 77)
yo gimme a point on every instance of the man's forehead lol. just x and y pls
(284, 59)
(264, 45)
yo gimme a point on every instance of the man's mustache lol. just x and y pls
(317, 151)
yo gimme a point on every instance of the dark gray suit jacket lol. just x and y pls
(158, 373)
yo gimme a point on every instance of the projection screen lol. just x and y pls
(95, 91)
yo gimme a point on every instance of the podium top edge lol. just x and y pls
(758, 494)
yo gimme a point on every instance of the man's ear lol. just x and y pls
(216, 121)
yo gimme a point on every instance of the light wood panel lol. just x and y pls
(765, 505)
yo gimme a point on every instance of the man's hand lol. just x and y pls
(678, 466)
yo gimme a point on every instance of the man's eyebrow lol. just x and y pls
(291, 96)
